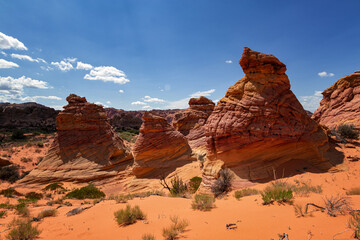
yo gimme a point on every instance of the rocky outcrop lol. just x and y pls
(191, 122)
(159, 149)
(260, 127)
(85, 147)
(27, 116)
(340, 103)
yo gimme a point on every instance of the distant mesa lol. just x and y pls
(191, 122)
(260, 127)
(85, 147)
(340, 103)
(159, 148)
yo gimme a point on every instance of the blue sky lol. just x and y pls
(145, 54)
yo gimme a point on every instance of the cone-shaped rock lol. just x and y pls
(260, 125)
(85, 147)
(159, 148)
(340, 103)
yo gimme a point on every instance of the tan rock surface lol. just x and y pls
(340, 103)
(85, 147)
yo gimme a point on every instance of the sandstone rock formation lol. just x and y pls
(191, 122)
(260, 127)
(159, 149)
(27, 116)
(340, 103)
(85, 147)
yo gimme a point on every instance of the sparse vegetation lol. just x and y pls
(22, 230)
(22, 210)
(223, 183)
(54, 186)
(123, 198)
(129, 215)
(354, 223)
(18, 135)
(245, 192)
(34, 196)
(2, 214)
(304, 188)
(194, 184)
(337, 205)
(89, 191)
(347, 131)
(57, 201)
(353, 191)
(178, 187)
(148, 237)
(278, 191)
(177, 227)
(9, 173)
(129, 135)
(203, 202)
(299, 211)
(10, 192)
(26, 160)
(49, 212)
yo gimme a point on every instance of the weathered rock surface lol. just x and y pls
(85, 147)
(27, 116)
(191, 122)
(159, 149)
(340, 103)
(260, 127)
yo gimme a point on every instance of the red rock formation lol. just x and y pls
(85, 148)
(159, 149)
(340, 103)
(259, 126)
(191, 122)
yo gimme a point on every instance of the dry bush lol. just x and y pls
(49, 212)
(304, 188)
(353, 191)
(177, 227)
(245, 192)
(22, 210)
(2, 214)
(203, 202)
(148, 236)
(354, 223)
(347, 131)
(22, 230)
(337, 205)
(223, 183)
(129, 215)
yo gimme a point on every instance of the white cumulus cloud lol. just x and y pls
(63, 65)
(7, 64)
(325, 74)
(107, 74)
(27, 58)
(311, 103)
(146, 107)
(35, 98)
(8, 42)
(228, 61)
(84, 66)
(154, 100)
(3, 53)
(138, 103)
(121, 91)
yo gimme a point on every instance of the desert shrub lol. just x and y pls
(223, 183)
(245, 192)
(22, 230)
(304, 188)
(33, 196)
(57, 201)
(129, 215)
(90, 191)
(123, 198)
(17, 135)
(6, 206)
(49, 212)
(22, 210)
(279, 191)
(354, 223)
(148, 237)
(178, 187)
(177, 227)
(54, 186)
(147, 194)
(68, 204)
(9, 173)
(353, 191)
(203, 202)
(2, 214)
(194, 184)
(26, 160)
(128, 136)
(10, 192)
(40, 145)
(347, 131)
(337, 205)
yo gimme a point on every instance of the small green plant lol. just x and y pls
(353, 191)
(90, 191)
(54, 186)
(18, 135)
(245, 192)
(347, 131)
(203, 202)
(223, 183)
(22, 210)
(278, 191)
(194, 184)
(10, 192)
(354, 223)
(2, 214)
(178, 187)
(6, 206)
(49, 212)
(148, 237)
(22, 230)
(129, 215)
(10, 173)
(34, 196)
(177, 227)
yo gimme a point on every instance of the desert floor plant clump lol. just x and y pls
(89, 191)
(22, 230)
(9, 173)
(347, 131)
(305, 188)
(22, 210)
(203, 202)
(353, 191)
(337, 205)
(354, 223)
(2, 214)
(48, 212)
(10, 192)
(194, 184)
(54, 186)
(178, 187)
(148, 237)
(177, 227)
(278, 191)
(245, 192)
(223, 183)
(129, 215)
(33, 196)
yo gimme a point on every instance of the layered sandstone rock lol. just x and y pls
(340, 103)
(159, 149)
(260, 127)
(85, 147)
(191, 122)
